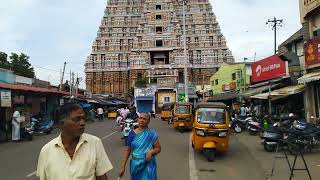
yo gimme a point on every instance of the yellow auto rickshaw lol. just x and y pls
(210, 128)
(112, 113)
(182, 116)
(166, 111)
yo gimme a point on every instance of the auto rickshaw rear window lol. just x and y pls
(182, 110)
(211, 115)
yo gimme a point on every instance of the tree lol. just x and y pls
(21, 66)
(4, 63)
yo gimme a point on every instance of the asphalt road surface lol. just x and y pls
(177, 159)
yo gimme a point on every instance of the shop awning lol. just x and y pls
(32, 89)
(258, 90)
(280, 93)
(144, 98)
(223, 96)
(315, 76)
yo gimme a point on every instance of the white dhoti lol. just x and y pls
(16, 126)
(15, 131)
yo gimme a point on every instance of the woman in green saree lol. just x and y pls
(143, 145)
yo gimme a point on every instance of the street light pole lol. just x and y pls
(185, 54)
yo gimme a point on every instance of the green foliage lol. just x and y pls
(21, 66)
(4, 63)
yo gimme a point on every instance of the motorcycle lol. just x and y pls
(274, 134)
(253, 126)
(44, 126)
(239, 124)
(27, 134)
(128, 126)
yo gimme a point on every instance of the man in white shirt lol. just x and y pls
(73, 155)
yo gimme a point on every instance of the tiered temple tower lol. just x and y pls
(143, 39)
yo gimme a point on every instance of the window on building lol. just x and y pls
(159, 43)
(211, 40)
(199, 55)
(158, 7)
(179, 40)
(233, 76)
(139, 76)
(121, 44)
(159, 29)
(212, 83)
(158, 17)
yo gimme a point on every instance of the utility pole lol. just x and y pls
(77, 85)
(185, 54)
(61, 79)
(275, 22)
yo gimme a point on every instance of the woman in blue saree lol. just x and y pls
(143, 145)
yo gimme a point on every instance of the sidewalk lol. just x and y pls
(281, 172)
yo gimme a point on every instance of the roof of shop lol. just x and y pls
(32, 89)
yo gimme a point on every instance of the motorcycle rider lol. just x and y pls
(132, 114)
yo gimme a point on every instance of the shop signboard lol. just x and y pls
(232, 86)
(5, 98)
(268, 68)
(312, 52)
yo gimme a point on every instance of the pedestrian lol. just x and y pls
(73, 154)
(143, 145)
(100, 113)
(16, 126)
(243, 111)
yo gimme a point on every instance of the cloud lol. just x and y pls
(52, 32)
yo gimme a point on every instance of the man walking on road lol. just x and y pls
(73, 154)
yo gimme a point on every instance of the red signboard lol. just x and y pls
(268, 68)
(312, 52)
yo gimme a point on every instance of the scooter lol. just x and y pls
(253, 126)
(128, 125)
(45, 126)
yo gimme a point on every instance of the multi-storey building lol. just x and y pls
(310, 20)
(143, 39)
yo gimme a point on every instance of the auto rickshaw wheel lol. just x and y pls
(210, 154)
(180, 129)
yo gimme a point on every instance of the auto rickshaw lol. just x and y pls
(182, 116)
(166, 111)
(112, 112)
(211, 126)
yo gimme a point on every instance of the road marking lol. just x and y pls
(192, 162)
(110, 135)
(31, 174)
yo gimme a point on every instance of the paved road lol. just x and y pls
(242, 162)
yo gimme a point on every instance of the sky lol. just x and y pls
(52, 32)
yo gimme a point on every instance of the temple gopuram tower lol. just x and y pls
(143, 39)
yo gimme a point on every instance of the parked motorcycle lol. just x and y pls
(239, 124)
(274, 136)
(254, 126)
(44, 126)
(27, 134)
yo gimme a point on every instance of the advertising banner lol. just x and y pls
(268, 68)
(312, 52)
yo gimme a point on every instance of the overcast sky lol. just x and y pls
(52, 31)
